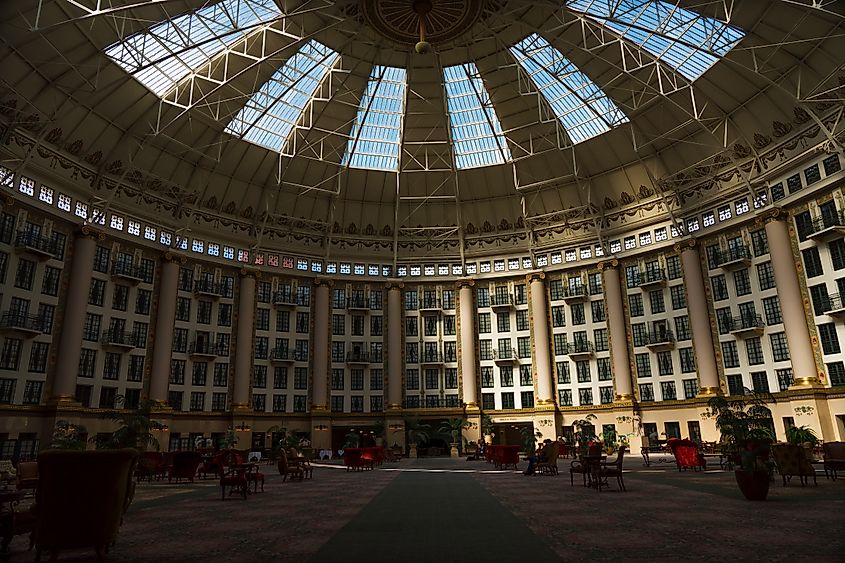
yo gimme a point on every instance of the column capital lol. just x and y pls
(249, 273)
(319, 409)
(320, 282)
(394, 284)
(773, 214)
(6, 201)
(174, 258)
(465, 282)
(87, 231)
(393, 407)
(686, 244)
(708, 392)
(607, 264)
(535, 276)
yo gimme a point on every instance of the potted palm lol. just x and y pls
(378, 432)
(746, 427)
(135, 427)
(68, 436)
(417, 433)
(803, 436)
(487, 428)
(453, 427)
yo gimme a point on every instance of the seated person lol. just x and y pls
(542, 454)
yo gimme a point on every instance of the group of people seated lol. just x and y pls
(543, 453)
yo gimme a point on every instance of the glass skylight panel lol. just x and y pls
(685, 40)
(580, 105)
(161, 56)
(270, 115)
(476, 132)
(376, 133)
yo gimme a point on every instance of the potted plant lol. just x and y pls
(453, 427)
(803, 436)
(352, 440)
(378, 432)
(585, 432)
(135, 427)
(417, 433)
(68, 436)
(487, 428)
(746, 427)
(529, 439)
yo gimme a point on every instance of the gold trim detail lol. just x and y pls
(173, 257)
(535, 276)
(688, 244)
(394, 407)
(773, 214)
(466, 282)
(249, 272)
(394, 284)
(91, 232)
(320, 282)
(709, 391)
(806, 382)
(606, 264)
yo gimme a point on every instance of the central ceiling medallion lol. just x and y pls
(419, 22)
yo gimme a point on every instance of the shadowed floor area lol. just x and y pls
(442, 510)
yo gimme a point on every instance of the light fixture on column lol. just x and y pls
(242, 427)
(320, 427)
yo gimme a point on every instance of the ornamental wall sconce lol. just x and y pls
(320, 427)
(472, 425)
(396, 427)
(242, 427)
(546, 422)
(161, 428)
(804, 410)
(624, 418)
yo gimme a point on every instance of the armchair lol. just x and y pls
(288, 469)
(184, 466)
(81, 499)
(834, 458)
(687, 455)
(791, 460)
(549, 466)
(27, 475)
(611, 469)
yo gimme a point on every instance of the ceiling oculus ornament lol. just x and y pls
(421, 23)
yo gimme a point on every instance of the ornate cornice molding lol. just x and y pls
(607, 264)
(773, 214)
(174, 258)
(535, 276)
(249, 273)
(324, 282)
(466, 282)
(686, 244)
(394, 284)
(87, 231)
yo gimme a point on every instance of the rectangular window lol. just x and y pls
(742, 282)
(197, 401)
(577, 313)
(601, 339)
(837, 253)
(828, 337)
(690, 388)
(678, 296)
(720, 287)
(784, 376)
(667, 389)
(143, 299)
(682, 329)
(506, 376)
(606, 395)
(527, 399)
(836, 373)
(754, 351)
(665, 365)
(812, 262)
(50, 283)
(487, 377)
(582, 371)
(687, 360)
(780, 350)
(656, 300)
(635, 305)
(639, 334)
(646, 392)
(585, 397)
(522, 320)
(562, 369)
(643, 364)
(760, 381)
(376, 403)
(97, 293)
(558, 316)
(507, 401)
(730, 357)
(564, 397)
(597, 307)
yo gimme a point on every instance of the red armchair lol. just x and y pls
(687, 454)
(185, 465)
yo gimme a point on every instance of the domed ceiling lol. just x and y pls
(317, 126)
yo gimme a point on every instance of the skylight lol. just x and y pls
(476, 131)
(164, 54)
(580, 105)
(376, 134)
(270, 115)
(685, 40)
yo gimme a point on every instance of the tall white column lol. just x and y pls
(540, 337)
(165, 318)
(699, 318)
(246, 337)
(469, 368)
(618, 329)
(320, 365)
(792, 307)
(394, 345)
(73, 321)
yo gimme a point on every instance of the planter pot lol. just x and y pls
(453, 451)
(753, 484)
(488, 438)
(412, 452)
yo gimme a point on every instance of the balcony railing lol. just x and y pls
(282, 355)
(827, 226)
(575, 293)
(127, 271)
(747, 323)
(660, 338)
(501, 301)
(505, 356)
(284, 299)
(834, 306)
(580, 348)
(430, 402)
(42, 246)
(430, 304)
(357, 358)
(14, 320)
(204, 348)
(652, 276)
(208, 287)
(431, 358)
(119, 339)
(735, 256)
(359, 303)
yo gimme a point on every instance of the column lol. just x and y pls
(618, 329)
(246, 336)
(540, 334)
(75, 308)
(699, 318)
(793, 311)
(394, 345)
(168, 287)
(467, 357)
(320, 373)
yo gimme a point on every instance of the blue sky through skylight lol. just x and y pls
(164, 54)
(376, 133)
(270, 115)
(476, 132)
(580, 105)
(685, 40)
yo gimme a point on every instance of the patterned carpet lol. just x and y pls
(666, 515)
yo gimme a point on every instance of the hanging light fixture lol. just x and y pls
(422, 9)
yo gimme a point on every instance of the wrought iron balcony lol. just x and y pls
(357, 303)
(431, 358)
(652, 277)
(501, 301)
(357, 358)
(505, 356)
(119, 339)
(281, 355)
(432, 402)
(827, 227)
(747, 324)
(42, 247)
(127, 271)
(734, 258)
(575, 294)
(28, 325)
(835, 307)
(580, 348)
(284, 299)
(204, 348)
(430, 305)
(660, 339)
(208, 287)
